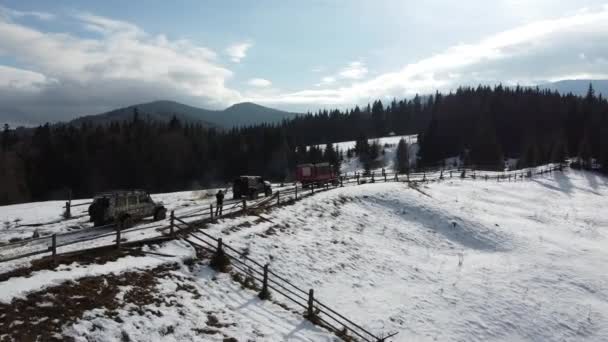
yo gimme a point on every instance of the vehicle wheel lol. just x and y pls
(98, 223)
(268, 192)
(160, 214)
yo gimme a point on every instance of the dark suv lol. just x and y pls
(251, 187)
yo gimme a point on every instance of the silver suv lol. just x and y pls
(124, 207)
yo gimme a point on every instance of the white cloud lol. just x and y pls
(355, 70)
(238, 51)
(19, 79)
(534, 52)
(122, 66)
(12, 13)
(259, 82)
(108, 26)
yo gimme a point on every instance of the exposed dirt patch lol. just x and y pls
(41, 315)
(99, 256)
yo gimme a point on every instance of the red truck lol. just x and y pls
(319, 174)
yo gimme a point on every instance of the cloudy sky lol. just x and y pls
(64, 58)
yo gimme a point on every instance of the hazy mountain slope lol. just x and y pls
(241, 114)
(155, 111)
(247, 113)
(16, 117)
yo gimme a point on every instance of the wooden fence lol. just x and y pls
(315, 311)
(293, 192)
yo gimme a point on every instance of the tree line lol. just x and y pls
(483, 125)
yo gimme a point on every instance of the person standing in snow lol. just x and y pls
(219, 197)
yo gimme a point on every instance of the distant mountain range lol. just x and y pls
(578, 87)
(241, 114)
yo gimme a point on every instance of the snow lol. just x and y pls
(388, 144)
(20, 221)
(240, 315)
(19, 287)
(390, 140)
(458, 260)
(454, 261)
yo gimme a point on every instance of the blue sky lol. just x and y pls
(65, 58)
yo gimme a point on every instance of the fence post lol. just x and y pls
(278, 198)
(296, 191)
(265, 294)
(118, 237)
(244, 206)
(54, 247)
(171, 229)
(373, 180)
(311, 303)
(450, 173)
(358, 182)
(211, 211)
(220, 261)
(68, 205)
(384, 177)
(312, 187)
(68, 210)
(341, 181)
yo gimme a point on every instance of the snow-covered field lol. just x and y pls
(457, 260)
(454, 261)
(144, 298)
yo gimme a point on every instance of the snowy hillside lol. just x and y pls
(452, 261)
(458, 260)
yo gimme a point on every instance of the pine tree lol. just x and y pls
(402, 157)
(584, 152)
(558, 152)
(332, 157)
(136, 115)
(603, 160)
(378, 117)
(486, 152)
(5, 137)
(530, 156)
